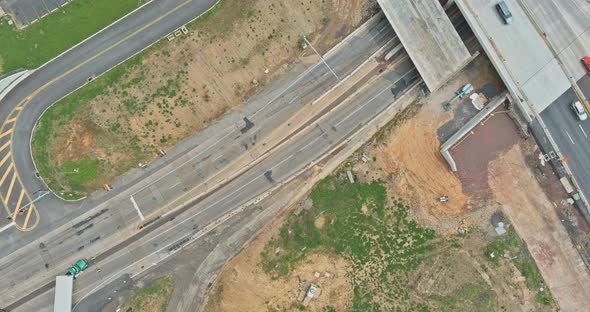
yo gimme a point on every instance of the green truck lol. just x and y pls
(77, 268)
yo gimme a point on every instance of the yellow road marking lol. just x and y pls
(7, 210)
(9, 131)
(30, 228)
(133, 34)
(20, 200)
(6, 173)
(10, 189)
(28, 216)
(27, 99)
(4, 159)
(5, 145)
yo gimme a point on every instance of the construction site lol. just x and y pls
(459, 161)
(393, 159)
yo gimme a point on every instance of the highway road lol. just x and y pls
(317, 139)
(571, 135)
(219, 146)
(273, 105)
(169, 196)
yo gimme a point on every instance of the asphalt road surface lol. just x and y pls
(118, 216)
(309, 145)
(21, 107)
(571, 135)
(26, 12)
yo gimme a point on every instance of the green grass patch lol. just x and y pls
(512, 246)
(79, 172)
(57, 32)
(382, 244)
(156, 294)
(60, 114)
(468, 297)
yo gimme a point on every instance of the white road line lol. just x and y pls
(379, 32)
(137, 208)
(177, 183)
(568, 135)
(301, 149)
(232, 128)
(6, 227)
(584, 132)
(372, 99)
(216, 158)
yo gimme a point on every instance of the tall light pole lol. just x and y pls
(321, 58)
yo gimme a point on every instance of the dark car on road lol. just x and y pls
(504, 12)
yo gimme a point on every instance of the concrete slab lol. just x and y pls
(521, 56)
(429, 38)
(567, 25)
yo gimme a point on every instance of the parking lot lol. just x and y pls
(26, 12)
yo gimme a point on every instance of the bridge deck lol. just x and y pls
(429, 38)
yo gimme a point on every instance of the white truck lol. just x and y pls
(64, 286)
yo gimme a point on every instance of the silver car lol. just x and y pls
(579, 110)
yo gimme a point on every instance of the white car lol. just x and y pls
(579, 110)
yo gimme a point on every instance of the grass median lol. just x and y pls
(153, 297)
(57, 32)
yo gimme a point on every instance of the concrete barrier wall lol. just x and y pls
(485, 112)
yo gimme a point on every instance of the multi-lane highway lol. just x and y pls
(308, 145)
(571, 135)
(231, 163)
(219, 146)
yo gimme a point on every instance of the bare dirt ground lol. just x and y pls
(536, 221)
(245, 287)
(411, 159)
(405, 155)
(184, 85)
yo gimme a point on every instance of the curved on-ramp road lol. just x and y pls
(25, 103)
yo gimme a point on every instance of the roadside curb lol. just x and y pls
(16, 79)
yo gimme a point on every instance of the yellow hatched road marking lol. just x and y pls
(10, 188)
(31, 207)
(6, 173)
(5, 145)
(4, 159)
(6, 133)
(27, 99)
(20, 200)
